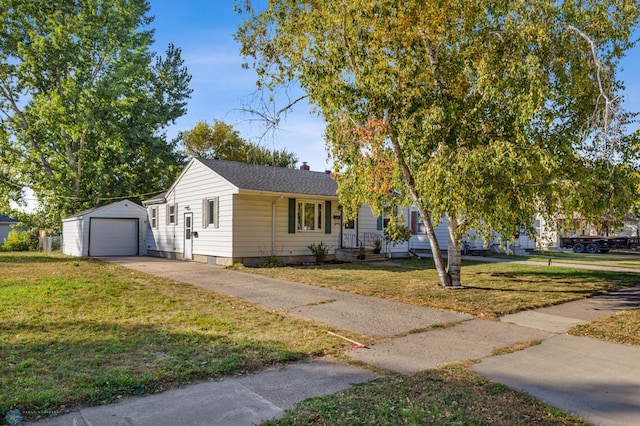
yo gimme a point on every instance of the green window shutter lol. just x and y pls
(379, 223)
(327, 217)
(292, 215)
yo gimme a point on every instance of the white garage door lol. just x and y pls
(113, 237)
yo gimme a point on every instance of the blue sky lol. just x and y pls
(203, 29)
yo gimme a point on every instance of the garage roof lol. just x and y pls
(99, 208)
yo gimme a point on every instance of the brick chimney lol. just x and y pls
(305, 166)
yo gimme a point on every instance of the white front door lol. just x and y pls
(188, 236)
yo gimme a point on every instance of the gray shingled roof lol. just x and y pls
(273, 179)
(156, 199)
(7, 219)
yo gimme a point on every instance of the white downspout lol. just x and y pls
(273, 225)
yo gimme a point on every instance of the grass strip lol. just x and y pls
(450, 395)
(623, 327)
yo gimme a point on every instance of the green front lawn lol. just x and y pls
(80, 332)
(493, 289)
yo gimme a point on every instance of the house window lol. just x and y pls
(210, 212)
(172, 214)
(350, 224)
(309, 216)
(417, 223)
(154, 217)
(382, 222)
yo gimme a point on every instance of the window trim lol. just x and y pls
(153, 217)
(207, 220)
(318, 215)
(173, 215)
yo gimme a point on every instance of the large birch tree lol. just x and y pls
(482, 112)
(84, 103)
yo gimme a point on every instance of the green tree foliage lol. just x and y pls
(481, 112)
(220, 140)
(85, 102)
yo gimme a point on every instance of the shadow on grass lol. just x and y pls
(582, 292)
(48, 366)
(569, 275)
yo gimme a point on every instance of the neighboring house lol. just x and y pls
(117, 229)
(631, 227)
(6, 225)
(224, 212)
(367, 227)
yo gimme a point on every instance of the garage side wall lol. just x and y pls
(72, 237)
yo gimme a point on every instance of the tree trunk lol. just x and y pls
(407, 177)
(454, 260)
(436, 252)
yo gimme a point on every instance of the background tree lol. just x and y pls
(481, 112)
(220, 140)
(84, 103)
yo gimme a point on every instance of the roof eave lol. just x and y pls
(153, 201)
(286, 194)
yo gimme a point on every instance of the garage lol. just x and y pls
(117, 229)
(113, 237)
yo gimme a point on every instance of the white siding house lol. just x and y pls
(224, 212)
(117, 229)
(367, 227)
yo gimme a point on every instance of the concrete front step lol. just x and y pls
(372, 257)
(351, 255)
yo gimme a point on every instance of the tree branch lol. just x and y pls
(273, 120)
(609, 102)
(343, 34)
(6, 92)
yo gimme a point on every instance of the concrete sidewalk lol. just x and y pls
(241, 401)
(598, 381)
(586, 368)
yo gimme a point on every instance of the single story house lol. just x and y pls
(6, 225)
(117, 229)
(223, 212)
